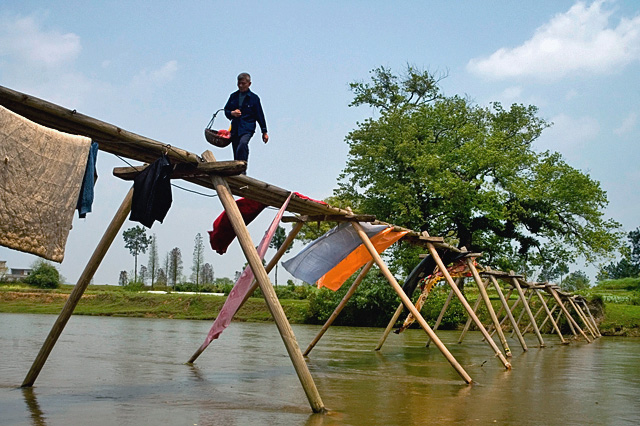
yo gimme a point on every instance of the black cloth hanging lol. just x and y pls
(152, 193)
(425, 268)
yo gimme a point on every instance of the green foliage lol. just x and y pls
(373, 303)
(294, 292)
(629, 265)
(619, 284)
(134, 286)
(137, 241)
(470, 174)
(198, 259)
(43, 275)
(454, 315)
(575, 281)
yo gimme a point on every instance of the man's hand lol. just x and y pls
(236, 113)
(265, 138)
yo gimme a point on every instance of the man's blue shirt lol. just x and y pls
(251, 112)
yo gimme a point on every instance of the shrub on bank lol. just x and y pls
(43, 275)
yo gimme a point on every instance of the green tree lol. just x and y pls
(175, 266)
(144, 274)
(447, 166)
(162, 277)
(575, 281)
(198, 259)
(153, 263)
(629, 265)
(43, 275)
(207, 274)
(276, 242)
(137, 241)
(123, 279)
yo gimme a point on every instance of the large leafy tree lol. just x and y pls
(469, 173)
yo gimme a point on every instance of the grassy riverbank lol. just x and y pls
(114, 301)
(621, 316)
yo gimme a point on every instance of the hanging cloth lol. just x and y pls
(41, 173)
(357, 258)
(152, 193)
(242, 286)
(223, 234)
(336, 255)
(425, 268)
(324, 253)
(85, 200)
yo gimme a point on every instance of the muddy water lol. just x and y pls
(117, 371)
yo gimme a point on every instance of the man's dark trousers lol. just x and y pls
(240, 147)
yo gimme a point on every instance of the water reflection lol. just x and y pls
(37, 416)
(132, 371)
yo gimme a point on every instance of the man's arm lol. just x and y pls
(229, 107)
(260, 118)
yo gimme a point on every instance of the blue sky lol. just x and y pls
(160, 69)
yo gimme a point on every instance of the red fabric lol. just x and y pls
(299, 195)
(223, 234)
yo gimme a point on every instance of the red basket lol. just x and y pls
(214, 138)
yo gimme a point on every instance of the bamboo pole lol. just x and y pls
(546, 308)
(512, 309)
(84, 280)
(289, 339)
(387, 330)
(551, 311)
(586, 319)
(407, 302)
(593, 320)
(444, 309)
(572, 322)
(582, 318)
(485, 297)
(522, 312)
(535, 316)
(467, 324)
(490, 329)
(505, 305)
(526, 307)
(464, 302)
(341, 305)
(254, 285)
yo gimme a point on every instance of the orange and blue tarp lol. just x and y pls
(335, 256)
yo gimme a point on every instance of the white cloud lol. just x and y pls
(568, 134)
(579, 40)
(628, 124)
(511, 94)
(23, 40)
(157, 77)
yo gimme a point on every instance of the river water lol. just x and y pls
(123, 371)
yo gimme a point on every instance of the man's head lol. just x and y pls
(244, 81)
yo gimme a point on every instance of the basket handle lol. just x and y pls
(213, 118)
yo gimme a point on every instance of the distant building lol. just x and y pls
(15, 274)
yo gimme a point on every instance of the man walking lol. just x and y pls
(243, 109)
